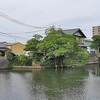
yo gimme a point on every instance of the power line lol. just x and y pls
(67, 25)
(3, 27)
(26, 32)
(18, 22)
(12, 35)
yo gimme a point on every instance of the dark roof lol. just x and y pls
(2, 49)
(2, 46)
(1, 43)
(73, 31)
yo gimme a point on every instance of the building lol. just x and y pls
(17, 48)
(96, 30)
(4, 50)
(78, 34)
(89, 50)
(13, 48)
(85, 43)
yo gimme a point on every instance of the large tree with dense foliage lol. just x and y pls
(96, 42)
(31, 46)
(62, 48)
(32, 43)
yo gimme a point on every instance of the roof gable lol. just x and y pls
(76, 32)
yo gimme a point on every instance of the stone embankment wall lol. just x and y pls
(93, 59)
(4, 64)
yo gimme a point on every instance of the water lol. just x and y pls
(51, 84)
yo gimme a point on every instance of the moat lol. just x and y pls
(51, 84)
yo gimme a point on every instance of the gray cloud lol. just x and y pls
(66, 13)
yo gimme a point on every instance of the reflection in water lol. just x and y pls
(51, 84)
(97, 70)
(60, 83)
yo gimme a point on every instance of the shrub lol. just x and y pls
(0, 53)
(47, 62)
(9, 56)
(21, 61)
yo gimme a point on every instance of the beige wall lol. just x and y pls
(17, 48)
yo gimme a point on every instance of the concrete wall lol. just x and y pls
(4, 64)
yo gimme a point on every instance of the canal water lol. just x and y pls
(51, 84)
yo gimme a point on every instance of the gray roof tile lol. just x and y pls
(73, 31)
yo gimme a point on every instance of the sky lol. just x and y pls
(21, 19)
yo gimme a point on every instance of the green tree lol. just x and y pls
(63, 48)
(31, 46)
(96, 43)
(9, 56)
(0, 53)
(32, 43)
(22, 60)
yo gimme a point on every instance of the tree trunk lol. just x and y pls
(56, 62)
(62, 63)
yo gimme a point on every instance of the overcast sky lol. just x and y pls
(66, 14)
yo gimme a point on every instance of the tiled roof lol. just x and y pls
(2, 43)
(2, 46)
(70, 31)
(73, 31)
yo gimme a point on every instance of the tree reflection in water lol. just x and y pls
(51, 84)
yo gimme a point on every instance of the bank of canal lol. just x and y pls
(4, 64)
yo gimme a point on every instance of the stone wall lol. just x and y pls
(93, 59)
(4, 64)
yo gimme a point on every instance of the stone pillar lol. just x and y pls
(6, 54)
